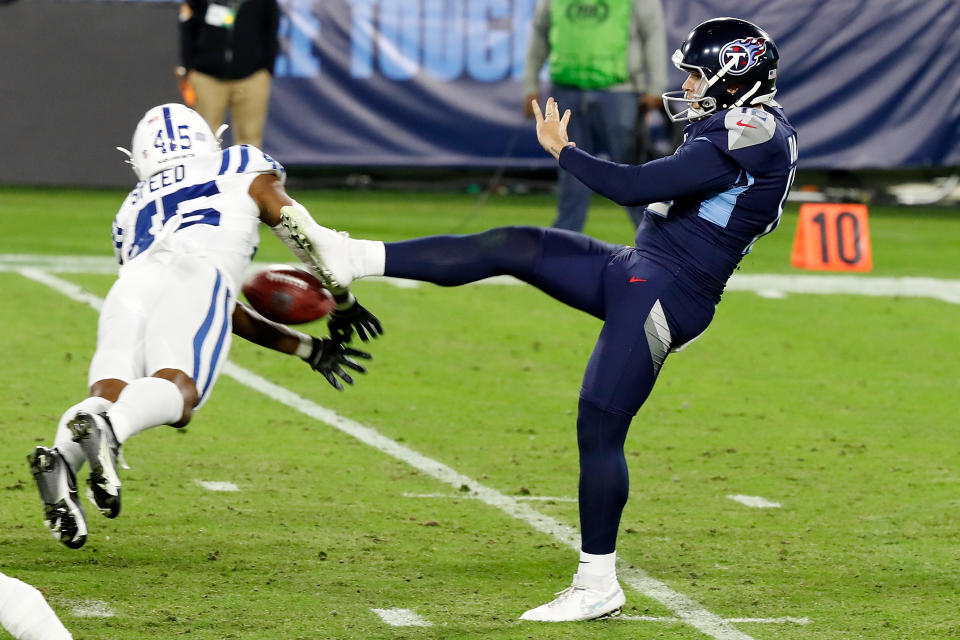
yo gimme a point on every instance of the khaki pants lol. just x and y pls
(246, 99)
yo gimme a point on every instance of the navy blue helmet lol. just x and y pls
(737, 64)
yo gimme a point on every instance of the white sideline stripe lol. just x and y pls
(401, 618)
(766, 285)
(213, 485)
(472, 496)
(771, 294)
(669, 620)
(945, 290)
(687, 609)
(58, 264)
(92, 609)
(755, 501)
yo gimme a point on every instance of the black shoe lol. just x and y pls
(62, 512)
(94, 434)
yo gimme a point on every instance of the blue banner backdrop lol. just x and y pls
(868, 83)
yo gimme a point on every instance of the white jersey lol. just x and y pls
(200, 207)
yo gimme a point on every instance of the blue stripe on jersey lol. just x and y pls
(146, 227)
(201, 334)
(225, 162)
(200, 216)
(244, 158)
(215, 358)
(169, 123)
(718, 208)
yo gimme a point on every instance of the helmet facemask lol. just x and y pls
(699, 105)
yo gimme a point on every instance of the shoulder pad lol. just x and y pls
(245, 158)
(747, 127)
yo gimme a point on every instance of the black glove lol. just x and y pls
(343, 322)
(329, 357)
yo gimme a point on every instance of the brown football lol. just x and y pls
(287, 294)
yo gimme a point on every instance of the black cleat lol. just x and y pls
(95, 436)
(62, 512)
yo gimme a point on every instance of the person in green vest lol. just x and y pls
(608, 64)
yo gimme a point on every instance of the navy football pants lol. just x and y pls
(646, 311)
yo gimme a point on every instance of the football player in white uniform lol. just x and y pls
(184, 237)
(26, 615)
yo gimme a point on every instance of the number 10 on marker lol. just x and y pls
(832, 237)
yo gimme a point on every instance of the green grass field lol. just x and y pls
(843, 409)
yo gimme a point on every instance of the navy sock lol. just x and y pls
(604, 481)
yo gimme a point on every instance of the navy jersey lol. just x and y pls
(715, 196)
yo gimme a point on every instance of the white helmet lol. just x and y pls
(169, 133)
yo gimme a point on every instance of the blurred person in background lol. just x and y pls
(227, 52)
(608, 65)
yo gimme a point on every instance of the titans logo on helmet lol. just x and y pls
(744, 52)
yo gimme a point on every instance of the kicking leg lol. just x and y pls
(567, 266)
(563, 264)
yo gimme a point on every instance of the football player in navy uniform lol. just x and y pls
(707, 204)
(184, 236)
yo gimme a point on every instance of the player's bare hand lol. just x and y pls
(551, 128)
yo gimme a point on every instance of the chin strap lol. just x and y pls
(129, 160)
(744, 97)
(219, 133)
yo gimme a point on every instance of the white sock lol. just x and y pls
(26, 615)
(368, 257)
(145, 403)
(63, 441)
(598, 566)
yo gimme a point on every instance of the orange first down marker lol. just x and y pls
(832, 237)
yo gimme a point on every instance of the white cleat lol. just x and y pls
(94, 434)
(586, 599)
(329, 250)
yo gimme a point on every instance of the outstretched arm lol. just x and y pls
(324, 355)
(695, 168)
(278, 210)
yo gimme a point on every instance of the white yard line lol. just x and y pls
(57, 264)
(755, 501)
(401, 618)
(765, 285)
(945, 290)
(684, 607)
(92, 609)
(669, 620)
(213, 485)
(470, 496)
